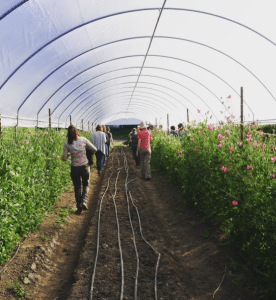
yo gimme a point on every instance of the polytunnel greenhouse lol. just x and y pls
(99, 61)
(156, 120)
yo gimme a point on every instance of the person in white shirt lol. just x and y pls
(99, 140)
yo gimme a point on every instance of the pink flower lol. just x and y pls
(233, 117)
(264, 145)
(228, 120)
(252, 123)
(231, 149)
(255, 144)
(235, 203)
(27, 142)
(250, 175)
(192, 139)
(210, 127)
(46, 132)
(52, 141)
(179, 152)
(227, 131)
(222, 167)
(240, 143)
(229, 97)
(57, 157)
(250, 139)
(209, 150)
(31, 132)
(197, 148)
(199, 132)
(198, 110)
(219, 145)
(225, 169)
(272, 176)
(249, 167)
(272, 158)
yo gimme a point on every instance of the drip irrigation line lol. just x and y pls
(140, 227)
(14, 254)
(159, 255)
(98, 241)
(119, 239)
(130, 221)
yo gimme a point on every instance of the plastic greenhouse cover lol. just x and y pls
(102, 61)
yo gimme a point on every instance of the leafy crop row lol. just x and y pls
(232, 183)
(32, 176)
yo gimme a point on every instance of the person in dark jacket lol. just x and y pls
(134, 145)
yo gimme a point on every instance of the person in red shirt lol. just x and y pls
(144, 139)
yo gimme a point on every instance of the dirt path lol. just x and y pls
(191, 266)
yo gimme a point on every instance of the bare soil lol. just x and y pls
(57, 263)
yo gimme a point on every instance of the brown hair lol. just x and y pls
(107, 129)
(180, 126)
(99, 128)
(72, 134)
(104, 128)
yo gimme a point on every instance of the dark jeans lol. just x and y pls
(136, 158)
(107, 149)
(78, 174)
(100, 160)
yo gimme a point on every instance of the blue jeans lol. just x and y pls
(107, 149)
(136, 158)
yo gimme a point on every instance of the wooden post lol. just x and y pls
(70, 120)
(0, 126)
(50, 125)
(168, 124)
(187, 116)
(242, 114)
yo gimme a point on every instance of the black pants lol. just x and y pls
(79, 174)
(100, 159)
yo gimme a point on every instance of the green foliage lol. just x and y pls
(18, 289)
(32, 176)
(212, 169)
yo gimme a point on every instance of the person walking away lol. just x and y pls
(80, 169)
(144, 139)
(109, 140)
(180, 130)
(173, 131)
(134, 145)
(99, 140)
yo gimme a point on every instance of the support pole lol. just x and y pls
(155, 122)
(15, 131)
(242, 114)
(0, 126)
(188, 116)
(168, 124)
(50, 119)
(88, 125)
(82, 124)
(70, 120)
(92, 126)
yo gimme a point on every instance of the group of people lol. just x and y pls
(79, 148)
(82, 152)
(178, 132)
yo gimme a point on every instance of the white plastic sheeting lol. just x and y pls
(82, 58)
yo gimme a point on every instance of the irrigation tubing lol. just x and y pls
(159, 255)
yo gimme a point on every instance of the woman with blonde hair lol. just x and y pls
(80, 169)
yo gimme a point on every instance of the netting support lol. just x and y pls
(188, 116)
(50, 125)
(82, 124)
(70, 120)
(168, 124)
(242, 114)
(0, 126)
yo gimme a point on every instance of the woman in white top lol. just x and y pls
(99, 140)
(80, 169)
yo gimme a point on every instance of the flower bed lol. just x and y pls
(232, 183)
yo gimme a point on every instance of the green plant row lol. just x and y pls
(32, 176)
(232, 183)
